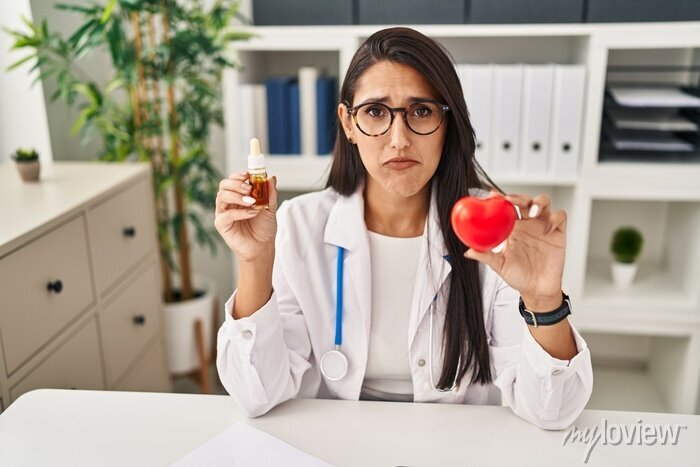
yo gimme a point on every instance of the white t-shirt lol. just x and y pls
(394, 265)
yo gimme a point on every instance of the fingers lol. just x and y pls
(540, 207)
(273, 194)
(223, 220)
(557, 221)
(226, 199)
(531, 208)
(237, 186)
(239, 176)
(491, 259)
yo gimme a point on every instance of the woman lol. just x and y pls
(418, 317)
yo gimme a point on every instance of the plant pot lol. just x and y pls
(180, 318)
(29, 171)
(623, 274)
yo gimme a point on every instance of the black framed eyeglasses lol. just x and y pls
(375, 118)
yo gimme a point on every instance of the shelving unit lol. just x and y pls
(661, 312)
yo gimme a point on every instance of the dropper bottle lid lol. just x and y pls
(256, 161)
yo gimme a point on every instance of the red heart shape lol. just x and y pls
(482, 224)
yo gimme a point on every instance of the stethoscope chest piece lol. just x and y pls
(334, 365)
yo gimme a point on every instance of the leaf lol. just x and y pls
(20, 62)
(77, 8)
(108, 11)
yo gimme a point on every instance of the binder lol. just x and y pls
(477, 85)
(536, 118)
(505, 121)
(307, 104)
(278, 115)
(326, 102)
(567, 116)
(294, 146)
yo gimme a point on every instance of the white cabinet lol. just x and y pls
(661, 312)
(80, 287)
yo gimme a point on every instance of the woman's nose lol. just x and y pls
(399, 133)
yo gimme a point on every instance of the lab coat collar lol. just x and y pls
(346, 222)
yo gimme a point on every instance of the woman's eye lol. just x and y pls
(375, 112)
(422, 112)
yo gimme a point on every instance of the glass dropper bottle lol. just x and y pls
(258, 176)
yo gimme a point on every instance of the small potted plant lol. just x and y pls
(626, 246)
(27, 164)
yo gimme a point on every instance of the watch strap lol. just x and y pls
(546, 318)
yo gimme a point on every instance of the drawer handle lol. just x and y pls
(55, 286)
(139, 320)
(129, 232)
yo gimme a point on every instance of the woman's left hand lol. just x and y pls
(532, 261)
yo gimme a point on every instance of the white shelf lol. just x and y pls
(534, 180)
(619, 388)
(650, 181)
(662, 200)
(616, 32)
(598, 318)
(654, 289)
(299, 173)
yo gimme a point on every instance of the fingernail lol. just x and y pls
(517, 211)
(534, 210)
(248, 200)
(499, 248)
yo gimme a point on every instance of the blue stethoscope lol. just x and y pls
(334, 364)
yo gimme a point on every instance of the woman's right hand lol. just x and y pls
(247, 231)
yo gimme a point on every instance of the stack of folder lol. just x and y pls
(290, 115)
(653, 123)
(527, 118)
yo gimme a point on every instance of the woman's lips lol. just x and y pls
(400, 164)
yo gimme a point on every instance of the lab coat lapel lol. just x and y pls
(346, 228)
(433, 269)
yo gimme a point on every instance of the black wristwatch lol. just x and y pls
(546, 318)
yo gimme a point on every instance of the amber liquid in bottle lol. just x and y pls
(258, 176)
(260, 190)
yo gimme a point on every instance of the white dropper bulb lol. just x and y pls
(254, 146)
(256, 160)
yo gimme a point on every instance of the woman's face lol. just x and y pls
(395, 85)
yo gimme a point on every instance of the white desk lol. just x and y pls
(91, 428)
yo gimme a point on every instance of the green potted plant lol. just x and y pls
(159, 106)
(625, 247)
(27, 164)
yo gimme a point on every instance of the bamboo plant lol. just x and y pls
(159, 105)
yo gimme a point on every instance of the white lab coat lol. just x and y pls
(273, 355)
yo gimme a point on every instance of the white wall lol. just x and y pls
(23, 119)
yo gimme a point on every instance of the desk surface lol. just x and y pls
(63, 427)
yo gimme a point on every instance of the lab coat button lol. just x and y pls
(421, 363)
(247, 334)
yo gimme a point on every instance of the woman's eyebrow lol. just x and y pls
(385, 99)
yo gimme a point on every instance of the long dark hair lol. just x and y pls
(464, 335)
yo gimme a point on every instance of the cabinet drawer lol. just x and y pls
(121, 231)
(130, 320)
(75, 365)
(151, 373)
(30, 313)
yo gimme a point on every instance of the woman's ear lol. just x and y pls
(346, 121)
